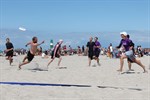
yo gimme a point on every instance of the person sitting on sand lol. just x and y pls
(126, 43)
(56, 53)
(31, 53)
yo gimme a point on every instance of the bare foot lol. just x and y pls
(119, 70)
(131, 70)
(145, 71)
(47, 67)
(99, 64)
(11, 61)
(19, 66)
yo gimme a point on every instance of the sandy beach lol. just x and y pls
(96, 82)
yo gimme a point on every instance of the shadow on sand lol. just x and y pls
(122, 88)
(38, 69)
(128, 72)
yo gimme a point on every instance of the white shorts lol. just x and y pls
(130, 55)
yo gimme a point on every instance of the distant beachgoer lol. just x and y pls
(70, 50)
(111, 50)
(9, 50)
(79, 52)
(40, 51)
(56, 53)
(97, 50)
(126, 43)
(31, 52)
(90, 49)
(140, 51)
(108, 52)
(102, 51)
(44, 55)
(65, 50)
(83, 49)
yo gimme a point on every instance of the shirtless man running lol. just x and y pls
(31, 52)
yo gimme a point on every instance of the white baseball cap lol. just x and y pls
(124, 33)
(60, 40)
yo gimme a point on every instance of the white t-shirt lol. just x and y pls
(43, 55)
(111, 49)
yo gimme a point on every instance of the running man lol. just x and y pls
(132, 47)
(90, 49)
(125, 42)
(9, 50)
(97, 50)
(56, 53)
(31, 52)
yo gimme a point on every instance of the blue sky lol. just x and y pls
(75, 20)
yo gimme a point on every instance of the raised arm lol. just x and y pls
(40, 43)
(28, 44)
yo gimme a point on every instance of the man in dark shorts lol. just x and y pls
(128, 59)
(9, 50)
(31, 52)
(56, 53)
(90, 47)
(97, 50)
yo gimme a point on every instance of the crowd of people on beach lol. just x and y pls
(93, 49)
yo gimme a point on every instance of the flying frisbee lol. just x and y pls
(22, 29)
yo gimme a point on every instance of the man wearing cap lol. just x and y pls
(126, 44)
(56, 53)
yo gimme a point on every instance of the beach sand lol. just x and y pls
(104, 82)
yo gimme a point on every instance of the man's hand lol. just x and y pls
(6, 50)
(43, 41)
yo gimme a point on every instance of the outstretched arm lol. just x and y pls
(119, 45)
(40, 43)
(28, 44)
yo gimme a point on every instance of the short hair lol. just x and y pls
(34, 38)
(96, 38)
(7, 39)
(128, 36)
